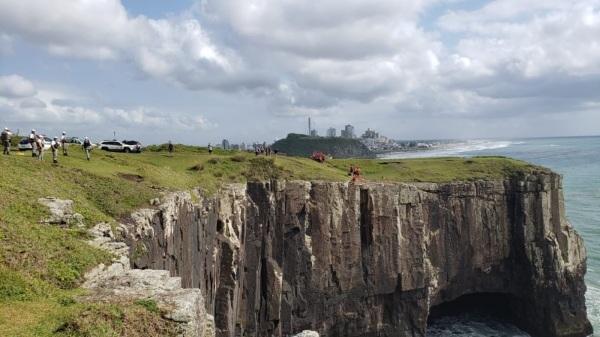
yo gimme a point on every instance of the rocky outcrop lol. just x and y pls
(61, 212)
(118, 282)
(342, 259)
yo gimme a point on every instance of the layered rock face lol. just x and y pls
(341, 259)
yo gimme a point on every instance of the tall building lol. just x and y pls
(226, 145)
(331, 132)
(370, 134)
(348, 131)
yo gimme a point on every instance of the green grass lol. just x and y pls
(41, 266)
(149, 304)
(438, 170)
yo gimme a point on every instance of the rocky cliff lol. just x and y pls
(277, 258)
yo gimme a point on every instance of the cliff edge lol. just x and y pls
(372, 259)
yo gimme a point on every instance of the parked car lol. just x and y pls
(25, 146)
(74, 140)
(135, 144)
(114, 145)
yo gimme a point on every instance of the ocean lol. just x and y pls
(578, 160)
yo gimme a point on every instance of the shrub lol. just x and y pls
(238, 158)
(261, 169)
(149, 304)
(13, 286)
(197, 167)
(63, 275)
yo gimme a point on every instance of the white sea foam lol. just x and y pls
(592, 302)
(467, 325)
(452, 149)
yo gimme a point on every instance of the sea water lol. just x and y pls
(578, 160)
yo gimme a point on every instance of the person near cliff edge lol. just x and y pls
(5, 137)
(87, 147)
(54, 145)
(63, 143)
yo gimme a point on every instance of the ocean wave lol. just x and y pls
(452, 149)
(471, 325)
(592, 302)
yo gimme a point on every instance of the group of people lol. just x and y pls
(354, 173)
(37, 141)
(263, 149)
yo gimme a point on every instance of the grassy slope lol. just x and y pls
(41, 266)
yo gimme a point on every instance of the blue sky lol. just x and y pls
(156, 8)
(254, 70)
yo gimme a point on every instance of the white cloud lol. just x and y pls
(169, 49)
(30, 106)
(339, 50)
(531, 39)
(506, 58)
(16, 86)
(32, 103)
(150, 118)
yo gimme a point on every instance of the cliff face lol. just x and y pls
(274, 259)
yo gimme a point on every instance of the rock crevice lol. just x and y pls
(278, 258)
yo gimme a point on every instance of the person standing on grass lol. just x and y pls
(39, 142)
(170, 147)
(87, 147)
(33, 143)
(210, 149)
(6, 135)
(54, 147)
(63, 143)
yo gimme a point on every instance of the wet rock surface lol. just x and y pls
(340, 259)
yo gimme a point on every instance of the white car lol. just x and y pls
(24, 144)
(116, 146)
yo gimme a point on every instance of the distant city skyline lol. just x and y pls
(199, 71)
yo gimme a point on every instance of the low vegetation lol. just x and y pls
(303, 145)
(41, 266)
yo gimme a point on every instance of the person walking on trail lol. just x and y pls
(87, 147)
(6, 135)
(170, 147)
(39, 143)
(33, 143)
(210, 149)
(63, 143)
(54, 145)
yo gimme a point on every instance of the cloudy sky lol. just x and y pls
(200, 71)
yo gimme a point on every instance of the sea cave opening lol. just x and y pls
(482, 314)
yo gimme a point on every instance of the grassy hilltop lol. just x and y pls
(302, 145)
(42, 266)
